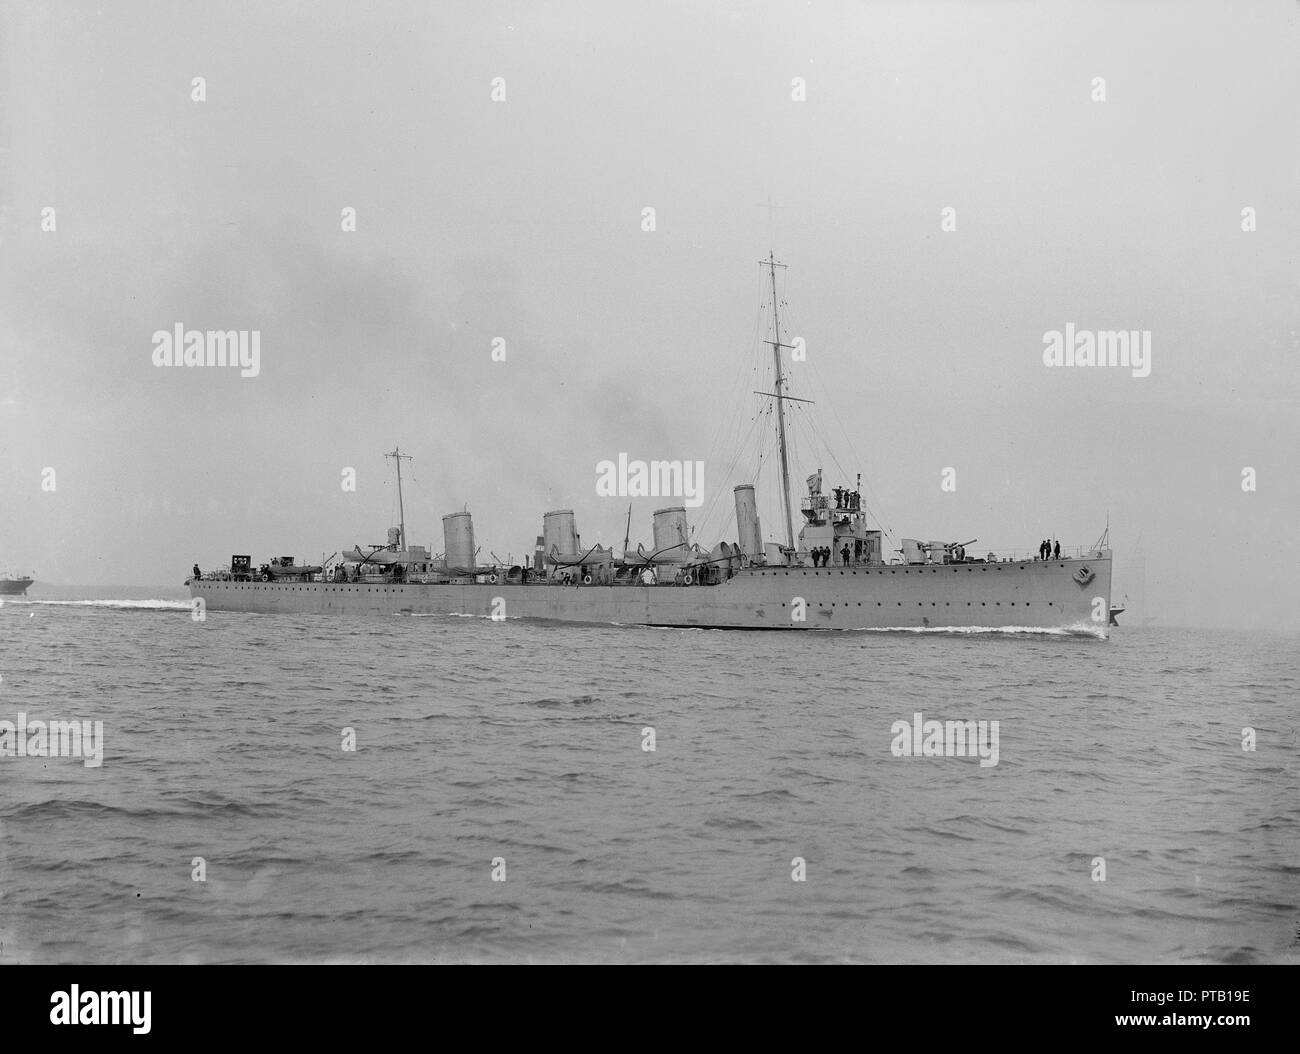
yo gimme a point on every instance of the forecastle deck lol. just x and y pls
(1033, 594)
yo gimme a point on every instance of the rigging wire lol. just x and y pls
(804, 436)
(821, 389)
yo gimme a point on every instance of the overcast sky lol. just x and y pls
(522, 220)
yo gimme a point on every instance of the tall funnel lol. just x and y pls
(458, 542)
(559, 532)
(751, 539)
(672, 539)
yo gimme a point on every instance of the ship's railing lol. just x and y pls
(1027, 556)
(1070, 552)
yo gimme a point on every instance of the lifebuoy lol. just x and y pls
(687, 579)
(265, 577)
(586, 580)
(492, 579)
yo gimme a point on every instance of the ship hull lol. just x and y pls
(1034, 594)
(14, 587)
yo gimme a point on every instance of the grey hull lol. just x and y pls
(1036, 595)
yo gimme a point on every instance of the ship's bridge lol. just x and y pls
(836, 522)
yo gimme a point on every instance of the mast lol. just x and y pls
(771, 264)
(397, 456)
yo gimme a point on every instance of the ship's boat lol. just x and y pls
(14, 587)
(594, 556)
(271, 572)
(383, 557)
(676, 553)
(1116, 610)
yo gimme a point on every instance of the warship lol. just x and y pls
(837, 573)
(14, 587)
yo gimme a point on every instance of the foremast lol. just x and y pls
(771, 265)
(397, 457)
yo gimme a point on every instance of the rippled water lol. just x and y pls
(479, 740)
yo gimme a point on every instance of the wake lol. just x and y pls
(141, 605)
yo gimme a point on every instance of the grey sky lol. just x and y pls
(522, 220)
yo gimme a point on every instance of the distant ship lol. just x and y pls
(1116, 610)
(836, 574)
(13, 587)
